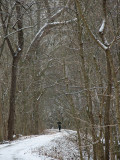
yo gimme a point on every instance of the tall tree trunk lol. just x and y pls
(109, 84)
(86, 83)
(16, 57)
(36, 78)
(11, 120)
(107, 111)
(1, 122)
(1, 116)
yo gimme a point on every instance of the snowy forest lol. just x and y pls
(60, 61)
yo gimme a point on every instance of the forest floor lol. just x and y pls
(53, 145)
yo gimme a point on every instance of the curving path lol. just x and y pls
(23, 149)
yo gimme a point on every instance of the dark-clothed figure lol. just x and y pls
(59, 125)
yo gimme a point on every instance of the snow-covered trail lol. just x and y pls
(22, 149)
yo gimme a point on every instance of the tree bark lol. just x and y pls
(11, 119)
(107, 111)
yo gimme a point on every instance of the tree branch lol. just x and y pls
(46, 29)
(104, 47)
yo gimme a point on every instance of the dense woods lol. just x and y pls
(60, 61)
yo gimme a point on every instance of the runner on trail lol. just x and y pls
(59, 126)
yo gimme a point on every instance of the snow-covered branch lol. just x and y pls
(46, 28)
(58, 13)
(62, 23)
(18, 30)
(44, 31)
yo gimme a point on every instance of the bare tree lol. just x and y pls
(15, 59)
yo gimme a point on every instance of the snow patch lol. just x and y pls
(102, 26)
